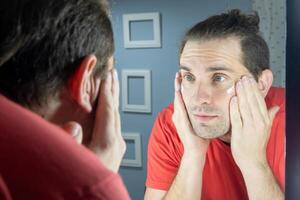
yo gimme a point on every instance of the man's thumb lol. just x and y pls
(272, 112)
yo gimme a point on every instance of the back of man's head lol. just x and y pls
(42, 42)
(235, 24)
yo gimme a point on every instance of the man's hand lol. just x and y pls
(188, 181)
(251, 124)
(107, 141)
(191, 142)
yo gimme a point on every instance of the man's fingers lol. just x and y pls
(243, 102)
(261, 101)
(250, 89)
(115, 94)
(105, 110)
(175, 94)
(178, 101)
(180, 112)
(116, 88)
(106, 90)
(235, 117)
(117, 122)
(75, 130)
(106, 99)
(177, 82)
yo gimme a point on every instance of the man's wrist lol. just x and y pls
(194, 157)
(248, 167)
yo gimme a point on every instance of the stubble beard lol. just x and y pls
(215, 129)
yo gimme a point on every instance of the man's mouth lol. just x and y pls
(204, 117)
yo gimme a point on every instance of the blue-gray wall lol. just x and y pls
(176, 17)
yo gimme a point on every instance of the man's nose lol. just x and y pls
(203, 94)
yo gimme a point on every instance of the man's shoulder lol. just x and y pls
(110, 187)
(167, 112)
(41, 143)
(164, 126)
(276, 97)
(164, 118)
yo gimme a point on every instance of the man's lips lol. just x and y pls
(204, 117)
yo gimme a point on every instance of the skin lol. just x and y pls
(208, 70)
(204, 109)
(249, 112)
(88, 109)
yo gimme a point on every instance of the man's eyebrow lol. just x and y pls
(184, 68)
(209, 69)
(218, 68)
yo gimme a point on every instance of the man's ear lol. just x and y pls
(265, 81)
(83, 86)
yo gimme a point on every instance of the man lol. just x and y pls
(56, 60)
(220, 140)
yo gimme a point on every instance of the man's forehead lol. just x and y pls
(215, 53)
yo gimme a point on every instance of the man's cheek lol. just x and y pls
(231, 91)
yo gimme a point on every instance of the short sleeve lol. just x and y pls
(109, 188)
(164, 152)
(276, 144)
(276, 149)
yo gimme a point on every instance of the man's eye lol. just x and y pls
(188, 77)
(219, 78)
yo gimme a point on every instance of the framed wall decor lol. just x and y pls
(153, 43)
(145, 107)
(137, 160)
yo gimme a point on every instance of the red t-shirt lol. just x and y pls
(222, 178)
(40, 161)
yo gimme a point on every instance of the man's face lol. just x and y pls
(209, 71)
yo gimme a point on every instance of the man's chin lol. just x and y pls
(211, 133)
(226, 137)
(210, 136)
(210, 130)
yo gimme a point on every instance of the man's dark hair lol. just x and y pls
(42, 43)
(235, 24)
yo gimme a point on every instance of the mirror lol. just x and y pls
(175, 18)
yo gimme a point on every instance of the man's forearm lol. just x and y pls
(260, 182)
(188, 181)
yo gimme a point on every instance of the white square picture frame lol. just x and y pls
(139, 108)
(155, 43)
(137, 161)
